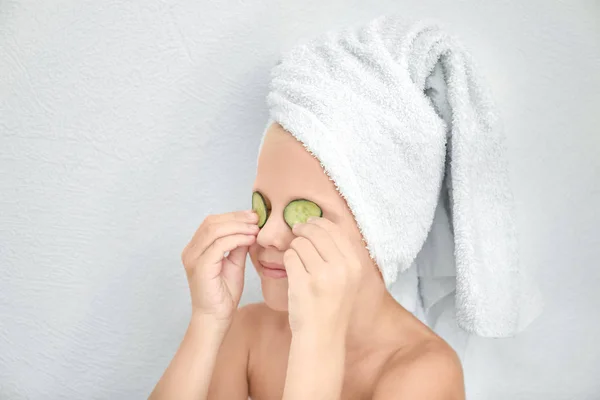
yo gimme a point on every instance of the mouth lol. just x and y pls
(272, 270)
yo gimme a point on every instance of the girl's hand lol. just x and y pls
(323, 275)
(216, 282)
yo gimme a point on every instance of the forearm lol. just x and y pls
(189, 374)
(315, 367)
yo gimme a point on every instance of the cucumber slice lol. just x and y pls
(299, 210)
(260, 206)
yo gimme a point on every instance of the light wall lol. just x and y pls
(124, 123)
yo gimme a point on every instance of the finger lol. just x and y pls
(217, 230)
(320, 238)
(238, 256)
(216, 251)
(340, 239)
(295, 269)
(307, 253)
(233, 272)
(240, 216)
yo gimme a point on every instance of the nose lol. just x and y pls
(275, 232)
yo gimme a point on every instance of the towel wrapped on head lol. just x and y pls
(402, 123)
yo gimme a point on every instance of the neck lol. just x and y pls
(377, 319)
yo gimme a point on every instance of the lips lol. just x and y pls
(273, 270)
(270, 265)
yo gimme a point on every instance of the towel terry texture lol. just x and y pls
(401, 121)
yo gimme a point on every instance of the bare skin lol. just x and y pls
(379, 351)
(386, 366)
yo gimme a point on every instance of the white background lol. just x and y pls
(124, 123)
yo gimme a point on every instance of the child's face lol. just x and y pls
(287, 171)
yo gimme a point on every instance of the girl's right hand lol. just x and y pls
(216, 282)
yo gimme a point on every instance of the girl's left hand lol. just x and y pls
(323, 275)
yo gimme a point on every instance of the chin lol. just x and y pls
(275, 293)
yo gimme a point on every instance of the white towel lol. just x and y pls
(395, 111)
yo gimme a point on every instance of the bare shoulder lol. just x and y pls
(230, 375)
(243, 332)
(431, 370)
(254, 316)
(245, 321)
(250, 311)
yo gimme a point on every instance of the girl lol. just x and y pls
(327, 329)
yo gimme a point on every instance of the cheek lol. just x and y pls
(253, 252)
(360, 246)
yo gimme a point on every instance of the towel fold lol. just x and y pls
(401, 121)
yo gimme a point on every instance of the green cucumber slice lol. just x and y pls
(299, 210)
(260, 206)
